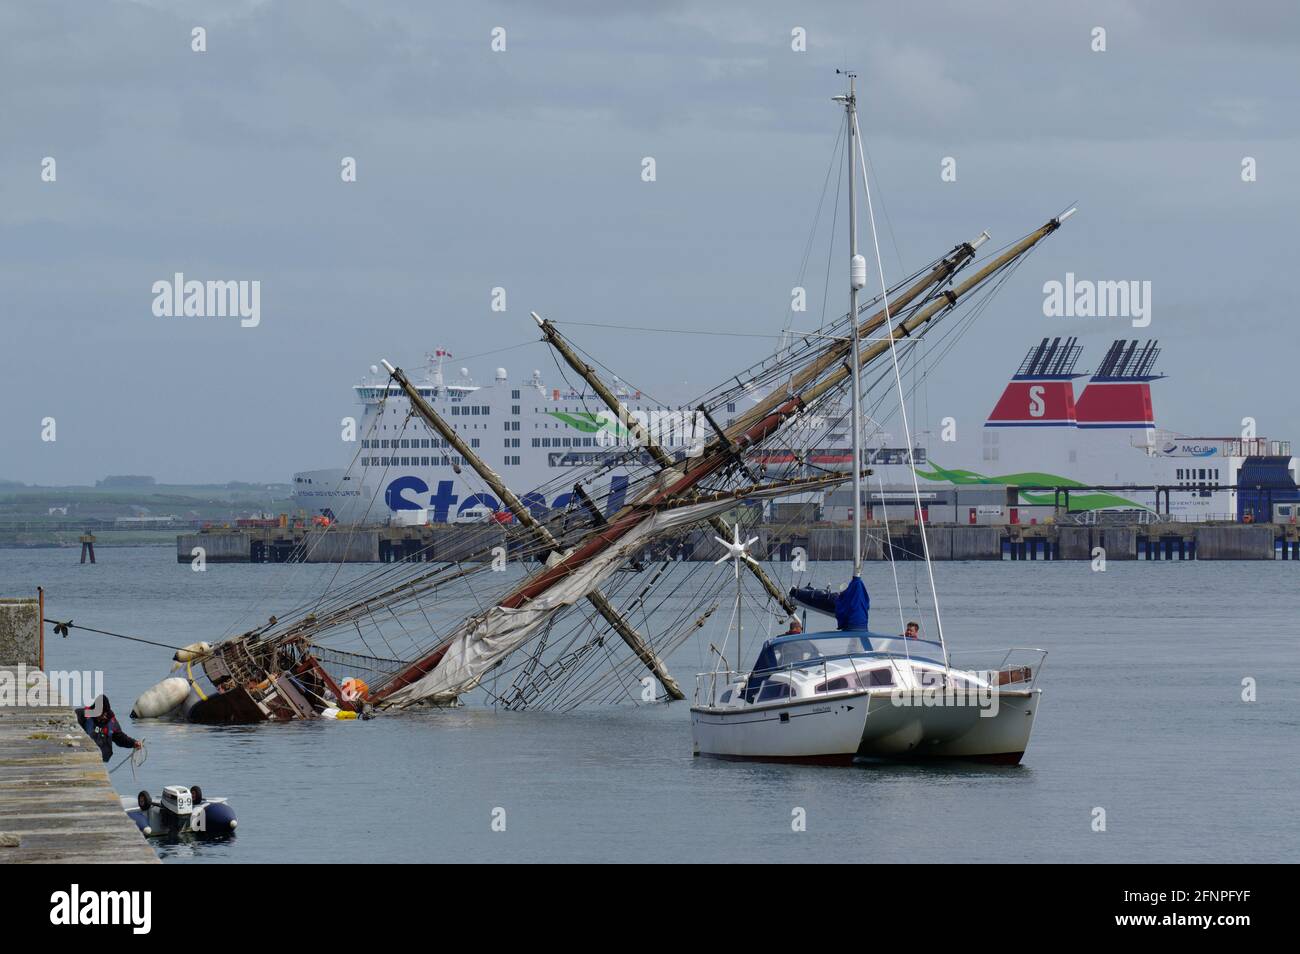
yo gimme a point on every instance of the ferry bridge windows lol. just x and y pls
(514, 396)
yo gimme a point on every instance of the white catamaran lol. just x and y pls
(851, 694)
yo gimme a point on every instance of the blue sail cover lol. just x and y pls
(853, 606)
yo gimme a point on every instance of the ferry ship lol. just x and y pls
(529, 432)
(1101, 444)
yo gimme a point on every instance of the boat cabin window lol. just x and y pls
(773, 690)
(834, 685)
(880, 677)
(802, 650)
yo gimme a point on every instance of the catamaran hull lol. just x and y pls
(918, 732)
(824, 731)
(866, 727)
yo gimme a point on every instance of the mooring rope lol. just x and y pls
(136, 757)
(61, 628)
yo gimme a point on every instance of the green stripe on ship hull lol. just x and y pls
(968, 478)
(589, 423)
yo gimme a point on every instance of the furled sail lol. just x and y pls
(488, 637)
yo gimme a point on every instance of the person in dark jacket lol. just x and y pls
(104, 728)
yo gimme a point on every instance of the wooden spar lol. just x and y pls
(714, 459)
(657, 453)
(946, 301)
(634, 639)
(840, 350)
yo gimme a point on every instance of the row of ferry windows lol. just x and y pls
(1198, 473)
(443, 461)
(415, 442)
(563, 442)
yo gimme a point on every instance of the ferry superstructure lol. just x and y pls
(531, 433)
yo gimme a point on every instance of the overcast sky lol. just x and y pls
(522, 169)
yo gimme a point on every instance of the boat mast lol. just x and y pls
(857, 280)
(635, 641)
(657, 453)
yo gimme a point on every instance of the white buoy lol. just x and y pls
(192, 652)
(161, 699)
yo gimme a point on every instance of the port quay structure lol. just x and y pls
(298, 541)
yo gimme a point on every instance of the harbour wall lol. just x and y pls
(897, 540)
(20, 632)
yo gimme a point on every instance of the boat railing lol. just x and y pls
(1016, 668)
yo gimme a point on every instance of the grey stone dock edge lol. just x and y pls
(55, 794)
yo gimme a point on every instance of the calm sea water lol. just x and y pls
(1142, 716)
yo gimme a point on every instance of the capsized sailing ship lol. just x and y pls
(850, 694)
(558, 630)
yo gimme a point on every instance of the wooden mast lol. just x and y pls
(634, 639)
(660, 456)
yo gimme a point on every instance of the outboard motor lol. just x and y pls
(177, 806)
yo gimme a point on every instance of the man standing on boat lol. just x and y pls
(102, 726)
